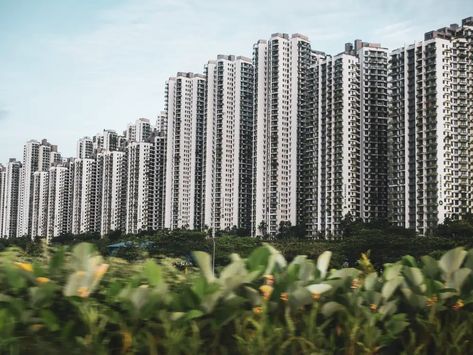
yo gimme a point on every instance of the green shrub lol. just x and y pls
(82, 303)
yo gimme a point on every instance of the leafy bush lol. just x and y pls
(81, 303)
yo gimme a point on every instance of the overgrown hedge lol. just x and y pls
(81, 303)
(386, 244)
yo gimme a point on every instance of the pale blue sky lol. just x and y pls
(72, 68)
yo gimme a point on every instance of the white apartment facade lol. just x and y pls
(114, 183)
(344, 165)
(3, 181)
(40, 204)
(30, 165)
(84, 203)
(430, 131)
(336, 159)
(139, 131)
(159, 141)
(85, 148)
(59, 201)
(10, 199)
(280, 66)
(228, 159)
(185, 114)
(139, 198)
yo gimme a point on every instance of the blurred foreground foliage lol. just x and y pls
(73, 299)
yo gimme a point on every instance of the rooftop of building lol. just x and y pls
(449, 31)
(190, 75)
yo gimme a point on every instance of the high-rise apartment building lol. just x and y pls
(3, 180)
(333, 165)
(10, 199)
(373, 61)
(111, 141)
(344, 165)
(185, 122)
(159, 140)
(30, 165)
(40, 204)
(281, 68)
(229, 132)
(85, 148)
(84, 204)
(140, 178)
(430, 131)
(139, 131)
(113, 168)
(293, 136)
(60, 200)
(36, 157)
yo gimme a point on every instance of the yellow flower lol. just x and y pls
(83, 292)
(373, 307)
(315, 296)
(126, 340)
(431, 301)
(266, 290)
(42, 280)
(284, 297)
(25, 266)
(355, 283)
(365, 263)
(258, 310)
(458, 305)
(269, 279)
(101, 270)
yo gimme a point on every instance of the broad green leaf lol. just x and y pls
(430, 267)
(344, 273)
(371, 280)
(452, 260)
(319, 288)
(299, 259)
(202, 287)
(414, 275)
(176, 316)
(300, 297)
(82, 253)
(139, 297)
(276, 259)
(195, 313)
(414, 300)
(469, 259)
(458, 278)
(391, 271)
(57, 260)
(330, 308)
(75, 281)
(323, 261)
(388, 308)
(152, 273)
(306, 271)
(390, 286)
(397, 324)
(409, 260)
(204, 262)
(258, 259)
